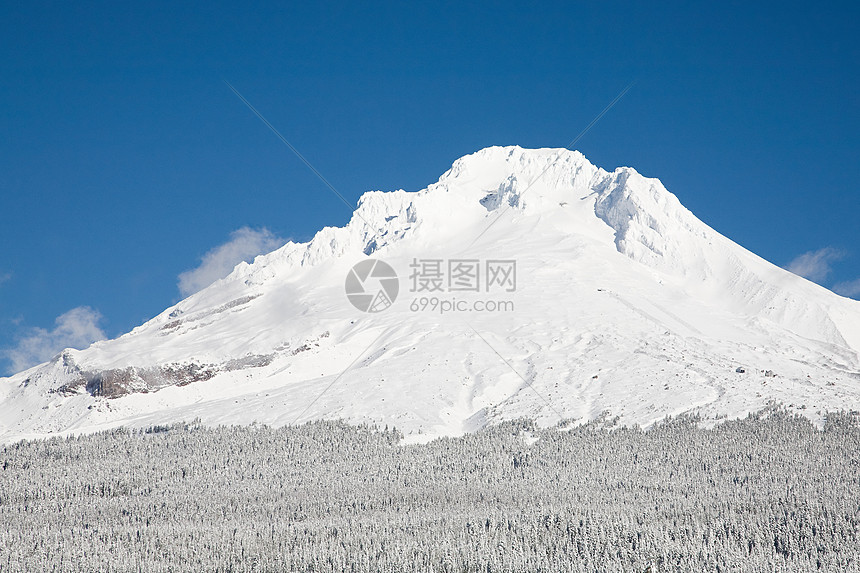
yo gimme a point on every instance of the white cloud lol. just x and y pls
(815, 265)
(77, 328)
(244, 245)
(5, 277)
(848, 288)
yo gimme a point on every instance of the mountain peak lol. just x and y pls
(622, 300)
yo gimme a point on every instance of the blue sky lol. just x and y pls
(125, 159)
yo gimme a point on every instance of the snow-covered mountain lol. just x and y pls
(598, 291)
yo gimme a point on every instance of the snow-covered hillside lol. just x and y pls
(622, 301)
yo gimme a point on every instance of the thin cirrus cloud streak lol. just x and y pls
(848, 288)
(244, 244)
(77, 328)
(816, 265)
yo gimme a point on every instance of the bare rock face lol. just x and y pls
(117, 382)
(122, 381)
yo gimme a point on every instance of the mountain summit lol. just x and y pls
(524, 283)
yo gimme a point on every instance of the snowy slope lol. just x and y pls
(624, 301)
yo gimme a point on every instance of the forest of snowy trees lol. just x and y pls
(768, 493)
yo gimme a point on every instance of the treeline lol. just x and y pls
(767, 493)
